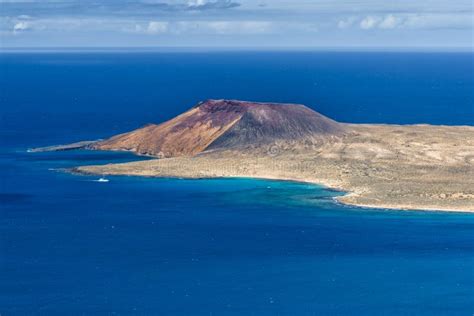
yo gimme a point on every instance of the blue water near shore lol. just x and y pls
(70, 245)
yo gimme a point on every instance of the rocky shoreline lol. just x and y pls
(73, 146)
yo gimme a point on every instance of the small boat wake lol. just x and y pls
(101, 180)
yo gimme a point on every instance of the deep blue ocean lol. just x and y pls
(143, 246)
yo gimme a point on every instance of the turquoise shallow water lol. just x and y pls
(72, 246)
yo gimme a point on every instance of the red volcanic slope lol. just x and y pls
(220, 124)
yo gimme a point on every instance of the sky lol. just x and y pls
(445, 24)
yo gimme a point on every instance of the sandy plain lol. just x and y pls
(410, 167)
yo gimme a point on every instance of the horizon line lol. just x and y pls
(125, 49)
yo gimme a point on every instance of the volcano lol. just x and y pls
(225, 124)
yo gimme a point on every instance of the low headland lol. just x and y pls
(412, 167)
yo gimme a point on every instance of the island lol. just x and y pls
(409, 167)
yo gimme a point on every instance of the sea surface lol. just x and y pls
(70, 245)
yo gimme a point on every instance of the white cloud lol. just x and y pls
(222, 27)
(196, 3)
(368, 23)
(409, 21)
(198, 27)
(389, 22)
(239, 27)
(346, 23)
(215, 4)
(157, 27)
(21, 26)
(24, 17)
(152, 28)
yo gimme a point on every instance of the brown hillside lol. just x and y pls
(217, 124)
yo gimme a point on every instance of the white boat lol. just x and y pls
(102, 180)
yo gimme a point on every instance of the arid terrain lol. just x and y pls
(385, 166)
